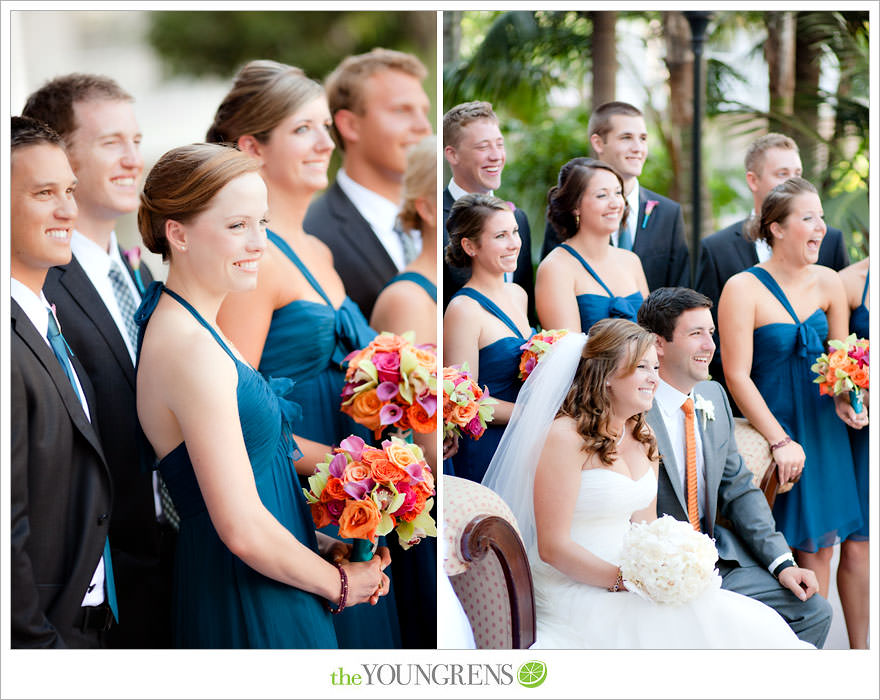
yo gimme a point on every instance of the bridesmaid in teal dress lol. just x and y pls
(587, 279)
(409, 303)
(249, 570)
(855, 552)
(774, 320)
(486, 321)
(298, 322)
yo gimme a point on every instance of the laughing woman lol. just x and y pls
(297, 321)
(248, 572)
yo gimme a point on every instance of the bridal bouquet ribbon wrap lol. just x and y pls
(392, 382)
(668, 562)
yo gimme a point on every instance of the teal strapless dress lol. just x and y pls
(499, 373)
(595, 307)
(859, 322)
(823, 507)
(307, 342)
(219, 601)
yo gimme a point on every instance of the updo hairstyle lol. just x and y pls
(778, 205)
(466, 220)
(419, 180)
(182, 184)
(565, 196)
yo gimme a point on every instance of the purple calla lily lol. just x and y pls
(386, 391)
(390, 413)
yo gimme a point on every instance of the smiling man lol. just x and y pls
(655, 227)
(702, 475)
(97, 294)
(379, 111)
(474, 148)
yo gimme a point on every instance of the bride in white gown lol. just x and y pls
(576, 464)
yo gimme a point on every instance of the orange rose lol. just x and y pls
(403, 422)
(383, 470)
(426, 359)
(417, 508)
(839, 360)
(365, 409)
(333, 491)
(450, 373)
(425, 487)
(462, 415)
(371, 454)
(859, 375)
(356, 471)
(387, 343)
(419, 419)
(359, 519)
(400, 456)
(320, 515)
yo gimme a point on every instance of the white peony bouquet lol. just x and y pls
(667, 561)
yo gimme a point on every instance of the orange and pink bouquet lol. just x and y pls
(535, 348)
(844, 368)
(466, 408)
(392, 382)
(370, 491)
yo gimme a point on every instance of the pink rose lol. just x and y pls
(388, 366)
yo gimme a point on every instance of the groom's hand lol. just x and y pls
(801, 582)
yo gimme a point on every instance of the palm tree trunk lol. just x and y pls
(604, 57)
(451, 36)
(680, 63)
(779, 50)
(807, 72)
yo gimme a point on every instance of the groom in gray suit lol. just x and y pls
(753, 558)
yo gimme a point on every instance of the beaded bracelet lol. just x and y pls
(343, 591)
(618, 583)
(781, 443)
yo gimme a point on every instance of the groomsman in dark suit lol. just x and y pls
(474, 148)
(702, 477)
(379, 111)
(656, 234)
(770, 160)
(96, 295)
(61, 495)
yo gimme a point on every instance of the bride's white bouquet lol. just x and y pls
(667, 561)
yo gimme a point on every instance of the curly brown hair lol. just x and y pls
(565, 196)
(614, 345)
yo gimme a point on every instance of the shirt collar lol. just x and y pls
(94, 259)
(457, 192)
(381, 213)
(633, 200)
(669, 399)
(34, 306)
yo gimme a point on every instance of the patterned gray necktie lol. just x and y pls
(409, 245)
(128, 305)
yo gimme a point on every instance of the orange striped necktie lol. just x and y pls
(690, 442)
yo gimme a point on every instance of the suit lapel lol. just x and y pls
(359, 234)
(711, 463)
(643, 235)
(74, 279)
(667, 454)
(22, 326)
(744, 247)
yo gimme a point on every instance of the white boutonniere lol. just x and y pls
(706, 407)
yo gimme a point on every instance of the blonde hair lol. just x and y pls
(419, 180)
(181, 186)
(263, 95)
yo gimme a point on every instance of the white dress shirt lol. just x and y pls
(632, 199)
(96, 263)
(762, 247)
(669, 401)
(381, 215)
(37, 309)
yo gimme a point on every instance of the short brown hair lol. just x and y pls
(53, 102)
(754, 160)
(345, 84)
(600, 119)
(777, 205)
(31, 132)
(419, 180)
(460, 116)
(182, 184)
(466, 220)
(564, 196)
(263, 95)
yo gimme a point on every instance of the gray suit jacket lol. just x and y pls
(730, 494)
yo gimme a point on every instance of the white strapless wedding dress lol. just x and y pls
(574, 615)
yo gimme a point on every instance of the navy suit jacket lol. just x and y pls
(358, 255)
(454, 278)
(142, 550)
(730, 251)
(660, 242)
(61, 494)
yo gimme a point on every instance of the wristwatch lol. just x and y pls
(784, 564)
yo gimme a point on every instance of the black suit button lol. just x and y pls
(102, 518)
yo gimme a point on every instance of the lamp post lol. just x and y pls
(698, 21)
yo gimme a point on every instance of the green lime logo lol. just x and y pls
(531, 674)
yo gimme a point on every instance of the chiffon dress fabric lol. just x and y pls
(220, 601)
(415, 569)
(823, 506)
(307, 343)
(499, 373)
(575, 615)
(859, 324)
(595, 307)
